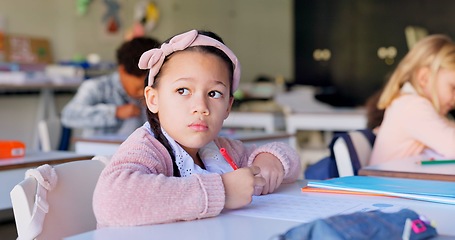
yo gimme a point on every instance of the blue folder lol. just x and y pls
(426, 190)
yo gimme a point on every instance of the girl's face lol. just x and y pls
(445, 88)
(192, 98)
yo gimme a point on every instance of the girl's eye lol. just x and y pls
(215, 94)
(183, 91)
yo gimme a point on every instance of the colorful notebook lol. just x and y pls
(425, 190)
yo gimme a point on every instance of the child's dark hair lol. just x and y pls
(129, 53)
(153, 117)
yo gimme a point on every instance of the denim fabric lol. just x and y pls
(374, 225)
(323, 169)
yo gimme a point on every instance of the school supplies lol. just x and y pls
(425, 190)
(323, 190)
(228, 158)
(11, 149)
(431, 162)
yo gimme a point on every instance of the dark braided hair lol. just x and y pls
(153, 118)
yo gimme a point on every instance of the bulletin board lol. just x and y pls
(25, 49)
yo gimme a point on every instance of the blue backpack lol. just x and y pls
(327, 167)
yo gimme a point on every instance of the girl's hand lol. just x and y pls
(272, 171)
(239, 186)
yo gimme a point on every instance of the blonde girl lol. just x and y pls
(417, 99)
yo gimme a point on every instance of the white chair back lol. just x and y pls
(69, 202)
(352, 151)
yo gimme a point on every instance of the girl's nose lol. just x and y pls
(200, 105)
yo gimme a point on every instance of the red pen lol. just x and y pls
(228, 158)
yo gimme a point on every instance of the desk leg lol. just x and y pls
(46, 110)
(293, 138)
(291, 128)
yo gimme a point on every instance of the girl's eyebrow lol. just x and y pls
(181, 79)
(220, 82)
(190, 79)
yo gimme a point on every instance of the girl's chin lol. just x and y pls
(194, 144)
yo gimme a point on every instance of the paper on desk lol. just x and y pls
(425, 190)
(308, 207)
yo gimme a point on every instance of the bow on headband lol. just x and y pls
(153, 59)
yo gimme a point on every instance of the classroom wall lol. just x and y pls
(258, 31)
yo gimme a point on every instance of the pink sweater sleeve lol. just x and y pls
(245, 155)
(137, 188)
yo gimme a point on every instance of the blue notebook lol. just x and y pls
(426, 190)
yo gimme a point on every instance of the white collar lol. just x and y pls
(408, 88)
(209, 154)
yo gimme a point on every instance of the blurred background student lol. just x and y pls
(112, 104)
(417, 100)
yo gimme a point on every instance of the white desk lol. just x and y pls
(12, 170)
(303, 112)
(268, 121)
(408, 168)
(230, 226)
(336, 120)
(107, 145)
(98, 145)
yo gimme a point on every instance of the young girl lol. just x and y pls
(171, 168)
(417, 98)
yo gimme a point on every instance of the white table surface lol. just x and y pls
(230, 226)
(36, 158)
(304, 112)
(270, 122)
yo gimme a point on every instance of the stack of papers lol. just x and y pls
(425, 190)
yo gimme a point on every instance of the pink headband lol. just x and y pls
(153, 59)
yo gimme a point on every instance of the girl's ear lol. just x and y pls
(423, 77)
(151, 99)
(228, 110)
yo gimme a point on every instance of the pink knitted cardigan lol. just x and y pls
(138, 187)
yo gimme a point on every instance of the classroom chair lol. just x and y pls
(352, 150)
(54, 202)
(349, 151)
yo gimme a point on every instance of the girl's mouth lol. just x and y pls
(199, 127)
